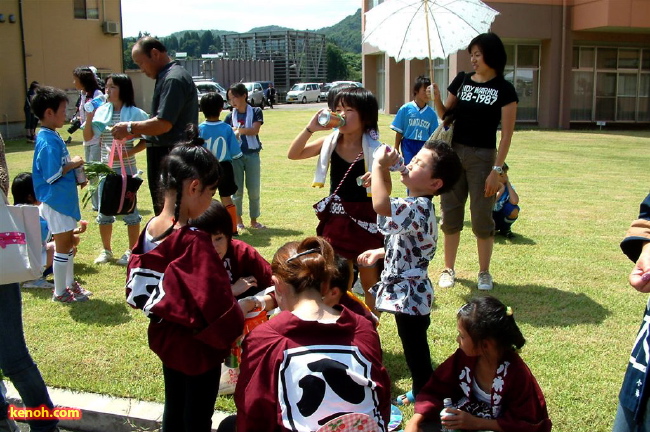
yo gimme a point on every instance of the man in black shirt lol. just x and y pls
(174, 105)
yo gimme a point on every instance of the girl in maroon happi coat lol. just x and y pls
(490, 385)
(178, 280)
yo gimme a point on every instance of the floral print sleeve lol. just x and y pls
(410, 241)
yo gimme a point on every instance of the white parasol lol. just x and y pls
(419, 29)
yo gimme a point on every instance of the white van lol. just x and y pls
(304, 92)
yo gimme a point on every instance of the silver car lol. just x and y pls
(208, 86)
(255, 94)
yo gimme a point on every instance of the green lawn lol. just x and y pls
(564, 274)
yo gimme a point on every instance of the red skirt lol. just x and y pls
(350, 227)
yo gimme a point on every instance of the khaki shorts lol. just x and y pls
(476, 166)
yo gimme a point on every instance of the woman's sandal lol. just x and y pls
(405, 399)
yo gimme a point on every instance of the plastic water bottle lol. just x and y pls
(94, 103)
(444, 414)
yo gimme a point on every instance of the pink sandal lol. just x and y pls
(258, 225)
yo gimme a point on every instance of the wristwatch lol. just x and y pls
(498, 169)
(128, 127)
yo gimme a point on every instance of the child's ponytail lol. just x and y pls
(188, 160)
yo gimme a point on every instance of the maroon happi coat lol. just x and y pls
(183, 287)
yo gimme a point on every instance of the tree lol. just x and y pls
(191, 47)
(171, 42)
(337, 68)
(207, 40)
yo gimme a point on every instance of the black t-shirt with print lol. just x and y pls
(478, 109)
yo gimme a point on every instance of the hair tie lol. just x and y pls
(508, 311)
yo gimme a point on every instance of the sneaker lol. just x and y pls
(38, 283)
(105, 257)
(125, 258)
(68, 297)
(78, 290)
(447, 278)
(485, 281)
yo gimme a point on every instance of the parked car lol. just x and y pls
(265, 85)
(255, 94)
(204, 86)
(304, 92)
(324, 90)
(354, 83)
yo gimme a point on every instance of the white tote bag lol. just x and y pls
(20, 243)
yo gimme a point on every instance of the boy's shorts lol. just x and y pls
(227, 184)
(57, 222)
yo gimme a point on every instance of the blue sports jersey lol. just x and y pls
(220, 140)
(51, 186)
(415, 123)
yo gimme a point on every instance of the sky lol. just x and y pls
(164, 17)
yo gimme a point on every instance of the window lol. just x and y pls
(440, 74)
(611, 84)
(522, 70)
(86, 9)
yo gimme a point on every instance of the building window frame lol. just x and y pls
(86, 9)
(525, 76)
(620, 83)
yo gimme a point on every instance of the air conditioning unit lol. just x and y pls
(110, 27)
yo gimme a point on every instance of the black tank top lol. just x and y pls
(349, 191)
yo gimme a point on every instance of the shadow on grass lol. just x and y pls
(259, 238)
(95, 311)
(541, 306)
(100, 313)
(81, 268)
(517, 239)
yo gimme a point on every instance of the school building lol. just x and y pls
(573, 62)
(44, 40)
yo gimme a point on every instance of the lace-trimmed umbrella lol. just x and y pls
(426, 29)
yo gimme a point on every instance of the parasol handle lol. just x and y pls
(426, 21)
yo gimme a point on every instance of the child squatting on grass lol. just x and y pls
(491, 387)
(411, 235)
(55, 186)
(178, 280)
(506, 210)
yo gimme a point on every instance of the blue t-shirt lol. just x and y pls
(258, 116)
(414, 123)
(220, 140)
(50, 185)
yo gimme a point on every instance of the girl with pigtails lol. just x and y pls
(490, 385)
(177, 279)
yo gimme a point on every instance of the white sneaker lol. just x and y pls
(105, 257)
(447, 278)
(124, 260)
(485, 281)
(38, 283)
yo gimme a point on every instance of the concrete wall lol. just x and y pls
(230, 71)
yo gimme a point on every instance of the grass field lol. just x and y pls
(564, 274)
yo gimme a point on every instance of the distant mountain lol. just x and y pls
(346, 34)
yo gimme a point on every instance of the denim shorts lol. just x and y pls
(476, 164)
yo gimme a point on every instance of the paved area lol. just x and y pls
(102, 413)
